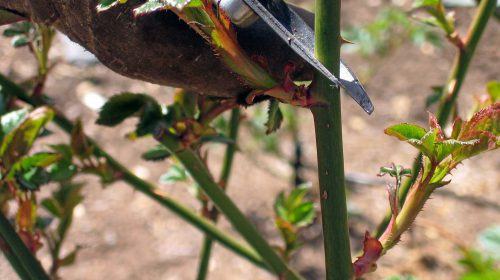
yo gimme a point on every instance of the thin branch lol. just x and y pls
(234, 124)
(145, 187)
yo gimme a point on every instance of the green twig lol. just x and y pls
(328, 127)
(20, 256)
(451, 90)
(463, 58)
(148, 189)
(234, 124)
(203, 178)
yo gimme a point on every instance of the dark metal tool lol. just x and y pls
(291, 28)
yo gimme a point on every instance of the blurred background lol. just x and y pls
(125, 235)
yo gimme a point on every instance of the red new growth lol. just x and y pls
(372, 248)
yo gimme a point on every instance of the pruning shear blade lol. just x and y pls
(300, 37)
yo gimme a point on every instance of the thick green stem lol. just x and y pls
(328, 127)
(452, 88)
(234, 124)
(16, 264)
(20, 255)
(203, 178)
(145, 187)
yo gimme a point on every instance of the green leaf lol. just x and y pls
(274, 117)
(280, 206)
(430, 21)
(18, 28)
(19, 141)
(427, 144)
(20, 41)
(293, 208)
(485, 141)
(155, 5)
(32, 178)
(188, 102)
(11, 32)
(440, 172)
(68, 196)
(70, 258)
(124, 105)
(53, 206)
(478, 265)
(175, 174)
(181, 4)
(493, 89)
(12, 120)
(425, 3)
(396, 171)
(156, 153)
(62, 170)
(487, 275)
(484, 126)
(119, 107)
(42, 160)
(487, 119)
(43, 222)
(106, 4)
(150, 117)
(303, 214)
(406, 131)
(447, 147)
(149, 7)
(64, 150)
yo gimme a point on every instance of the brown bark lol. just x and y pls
(158, 47)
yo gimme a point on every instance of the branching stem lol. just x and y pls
(452, 89)
(143, 186)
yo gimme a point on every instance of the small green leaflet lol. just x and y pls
(175, 174)
(274, 117)
(425, 3)
(406, 131)
(149, 7)
(155, 5)
(156, 153)
(125, 105)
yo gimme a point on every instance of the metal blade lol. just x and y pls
(291, 28)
